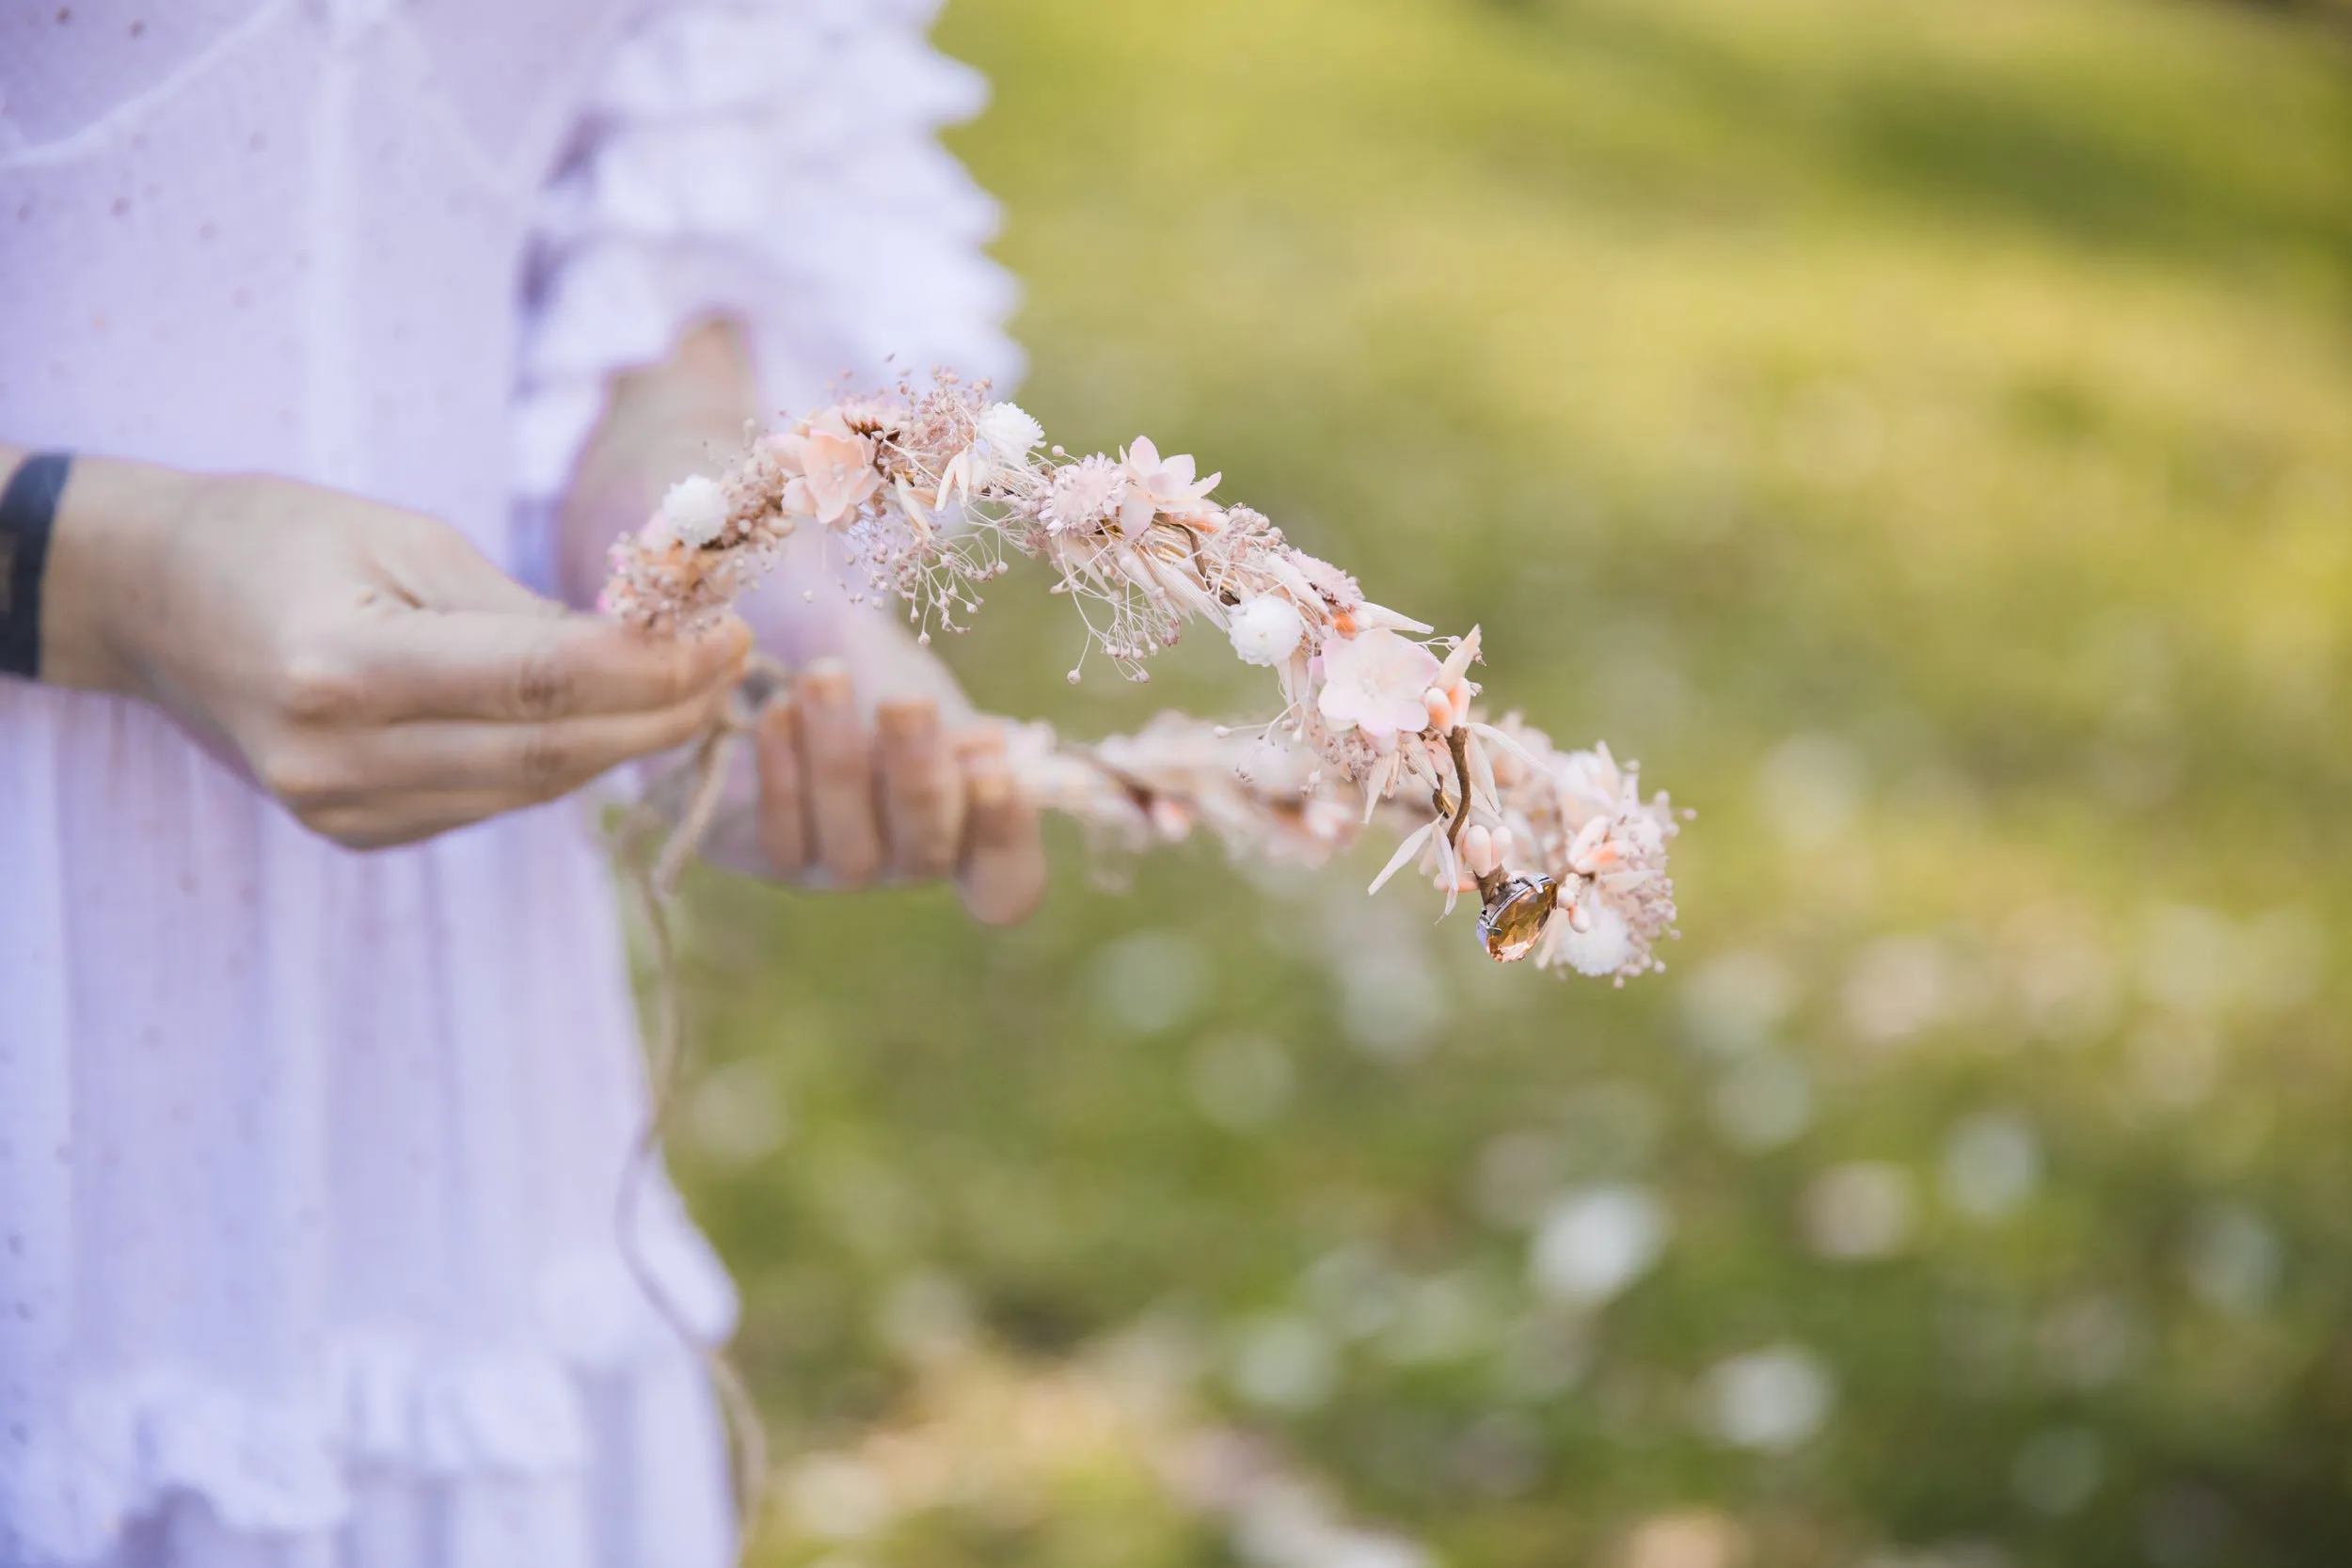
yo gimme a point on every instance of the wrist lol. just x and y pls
(112, 524)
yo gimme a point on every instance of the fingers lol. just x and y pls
(1004, 855)
(784, 829)
(507, 766)
(837, 775)
(534, 667)
(910, 798)
(922, 788)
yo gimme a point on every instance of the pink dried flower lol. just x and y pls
(1374, 682)
(1086, 493)
(1159, 486)
(837, 468)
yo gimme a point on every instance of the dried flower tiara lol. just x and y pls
(926, 491)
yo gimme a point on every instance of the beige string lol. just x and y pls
(653, 878)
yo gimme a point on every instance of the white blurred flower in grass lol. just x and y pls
(1439, 1320)
(1545, 1354)
(1768, 1400)
(1242, 1082)
(2091, 1342)
(2234, 1259)
(1763, 1101)
(1148, 982)
(1859, 1211)
(927, 1317)
(1698, 1538)
(2062, 979)
(1992, 1164)
(736, 1114)
(837, 1496)
(1286, 1523)
(1283, 1362)
(1734, 1001)
(1354, 1290)
(1810, 788)
(1897, 988)
(1393, 998)
(1515, 1174)
(1596, 1242)
(2058, 1470)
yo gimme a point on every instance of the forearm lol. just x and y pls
(685, 414)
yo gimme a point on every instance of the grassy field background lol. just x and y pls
(1922, 434)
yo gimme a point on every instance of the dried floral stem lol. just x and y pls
(1457, 746)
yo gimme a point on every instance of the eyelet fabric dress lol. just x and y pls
(307, 1158)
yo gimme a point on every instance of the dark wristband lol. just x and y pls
(29, 511)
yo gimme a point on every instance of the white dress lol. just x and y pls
(308, 1159)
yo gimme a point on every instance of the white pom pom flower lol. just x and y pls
(694, 513)
(1602, 950)
(1007, 433)
(1266, 630)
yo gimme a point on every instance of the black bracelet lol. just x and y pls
(28, 510)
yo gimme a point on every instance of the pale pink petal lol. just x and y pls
(1458, 661)
(1504, 739)
(1405, 852)
(1376, 784)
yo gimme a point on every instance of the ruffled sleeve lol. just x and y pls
(777, 161)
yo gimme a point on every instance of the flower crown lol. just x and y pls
(926, 491)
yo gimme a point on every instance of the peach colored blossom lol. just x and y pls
(1374, 682)
(1157, 486)
(838, 465)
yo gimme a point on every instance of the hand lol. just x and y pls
(923, 790)
(366, 665)
(909, 797)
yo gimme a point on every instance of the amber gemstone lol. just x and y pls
(1514, 917)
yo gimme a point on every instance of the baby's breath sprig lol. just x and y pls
(929, 490)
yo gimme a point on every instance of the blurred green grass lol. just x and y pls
(1923, 436)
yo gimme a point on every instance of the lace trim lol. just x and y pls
(779, 164)
(278, 1464)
